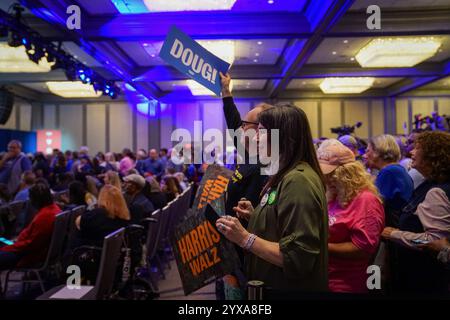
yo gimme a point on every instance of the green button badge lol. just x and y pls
(272, 197)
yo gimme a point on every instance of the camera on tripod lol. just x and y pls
(346, 129)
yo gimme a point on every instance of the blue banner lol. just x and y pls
(190, 58)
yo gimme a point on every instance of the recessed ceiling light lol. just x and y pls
(352, 59)
(259, 42)
(345, 41)
(224, 49)
(153, 55)
(187, 5)
(334, 52)
(346, 84)
(257, 54)
(145, 44)
(397, 52)
(72, 89)
(270, 2)
(255, 60)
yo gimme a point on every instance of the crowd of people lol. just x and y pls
(316, 224)
(116, 190)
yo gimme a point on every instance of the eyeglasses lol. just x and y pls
(244, 123)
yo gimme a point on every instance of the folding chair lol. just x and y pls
(53, 255)
(112, 245)
(3, 215)
(71, 228)
(152, 241)
(58, 195)
(10, 221)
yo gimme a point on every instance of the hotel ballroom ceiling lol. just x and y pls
(282, 49)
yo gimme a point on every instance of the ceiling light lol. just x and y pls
(16, 60)
(346, 85)
(259, 43)
(188, 5)
(224, 49)
(345, 41)
(352, 59)
(334, 52)
(199, 90)
(257, 54)
(397, 52)
(72, 89)
(255, 60)
(270, 2)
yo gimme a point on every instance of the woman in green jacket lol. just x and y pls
(286, 238)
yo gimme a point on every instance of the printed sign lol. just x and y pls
(190, 58)
(47, 140)
(202, 253)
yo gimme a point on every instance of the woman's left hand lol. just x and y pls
(232, 229)
(387, 232)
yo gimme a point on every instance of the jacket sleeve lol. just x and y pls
(232, 116)
(34, 237)
(301, 219)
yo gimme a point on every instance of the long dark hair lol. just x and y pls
(296, 143)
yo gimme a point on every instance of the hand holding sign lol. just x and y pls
(232, 229)
(225, 79)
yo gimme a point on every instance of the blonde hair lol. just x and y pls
(114, 179)
(349, 180)
(112, 200)
(386, 147)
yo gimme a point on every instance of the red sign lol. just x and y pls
(47, 140)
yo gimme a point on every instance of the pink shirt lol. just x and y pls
(125, 165)
(361, 223)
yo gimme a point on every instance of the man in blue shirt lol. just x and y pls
(12, 165)
(152, 165)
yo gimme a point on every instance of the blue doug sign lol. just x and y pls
(190, 58)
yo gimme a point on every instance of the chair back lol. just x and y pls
(112, 246)
(71, 227)
(59, 233)
(153, 235)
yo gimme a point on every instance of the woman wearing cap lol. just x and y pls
(286, 238)
(356, 217)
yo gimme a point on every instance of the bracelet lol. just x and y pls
(249, 242)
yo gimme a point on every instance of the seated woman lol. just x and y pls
(171, 187)
(425, 218)
(111, 214)
(78, 196)
(153, 192)
(393, 181)
(112, 178)
(286, 238)
(356, 218)
(30, 248)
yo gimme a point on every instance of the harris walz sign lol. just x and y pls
(202, 253)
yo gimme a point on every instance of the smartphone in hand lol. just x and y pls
(419, 241)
